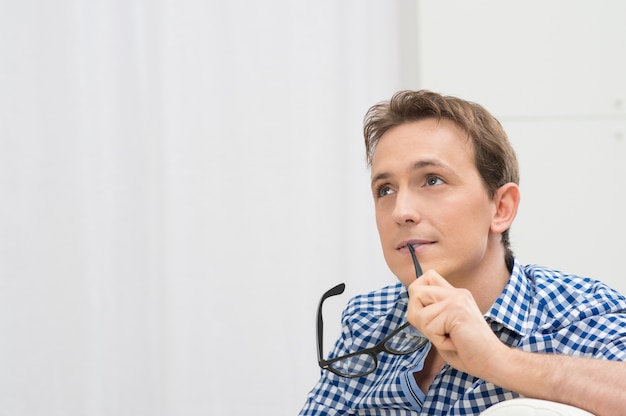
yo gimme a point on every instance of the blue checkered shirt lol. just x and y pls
(538, 310)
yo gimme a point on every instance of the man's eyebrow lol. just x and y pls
(380, 176)
(420, 164)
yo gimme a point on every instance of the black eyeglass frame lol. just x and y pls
(372, 351)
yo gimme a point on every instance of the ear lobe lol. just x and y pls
(506, 201)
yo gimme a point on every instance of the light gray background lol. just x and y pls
(181, 180)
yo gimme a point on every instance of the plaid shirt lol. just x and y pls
(539, 310)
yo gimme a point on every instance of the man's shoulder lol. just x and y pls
(547, 280)
(379, 302)
(560, 291)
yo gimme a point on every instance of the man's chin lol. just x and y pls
(406, 278)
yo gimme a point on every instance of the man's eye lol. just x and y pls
(383, 190)
(434, 180)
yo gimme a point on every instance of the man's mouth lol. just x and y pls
(415, 243)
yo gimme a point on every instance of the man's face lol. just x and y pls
(428, 192)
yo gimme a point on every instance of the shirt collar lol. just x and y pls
(511, 308)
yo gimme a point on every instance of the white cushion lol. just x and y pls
(533, 407)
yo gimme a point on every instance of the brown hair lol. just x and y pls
(493, 154)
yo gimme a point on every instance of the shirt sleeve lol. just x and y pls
(601, 337)
(326, 398)
(611, 337)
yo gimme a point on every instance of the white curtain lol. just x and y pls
(179, 183)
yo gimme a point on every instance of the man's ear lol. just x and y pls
(506, 201)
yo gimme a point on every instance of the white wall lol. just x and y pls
(181, 180)
(553, 73)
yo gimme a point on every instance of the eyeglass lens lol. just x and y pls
(406, 341)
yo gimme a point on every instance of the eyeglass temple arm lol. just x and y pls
(337, 290)
(416, 264)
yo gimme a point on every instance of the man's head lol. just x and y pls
(494, 156)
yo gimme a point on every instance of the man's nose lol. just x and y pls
(406, 209)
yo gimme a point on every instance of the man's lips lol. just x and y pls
(415, 243)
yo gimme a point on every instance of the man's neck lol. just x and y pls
(487, 283)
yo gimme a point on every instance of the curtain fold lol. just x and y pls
(180, 181)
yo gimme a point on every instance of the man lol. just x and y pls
(445, 185)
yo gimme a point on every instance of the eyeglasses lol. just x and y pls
(403, 340)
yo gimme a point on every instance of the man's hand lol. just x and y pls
(451, 320)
